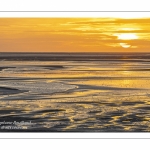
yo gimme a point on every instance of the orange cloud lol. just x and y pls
(73, 34)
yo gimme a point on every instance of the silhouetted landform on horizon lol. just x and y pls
(74, 56)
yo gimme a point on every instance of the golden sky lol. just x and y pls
(75, 34)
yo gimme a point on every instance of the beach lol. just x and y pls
(82, 92)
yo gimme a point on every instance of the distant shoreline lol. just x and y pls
(74, 56)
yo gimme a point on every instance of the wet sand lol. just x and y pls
(77, 95)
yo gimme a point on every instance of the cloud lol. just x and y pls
(76, 34)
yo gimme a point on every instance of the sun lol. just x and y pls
(127, 36)
(125, 45)
(124, 37)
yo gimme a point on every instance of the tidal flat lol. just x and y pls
(74, 92)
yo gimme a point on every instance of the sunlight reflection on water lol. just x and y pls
(79, 96)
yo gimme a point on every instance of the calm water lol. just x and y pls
(75, 93)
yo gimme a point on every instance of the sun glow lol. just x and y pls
(127, 36)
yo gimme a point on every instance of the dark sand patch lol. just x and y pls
(8, 111)
(50, 110)
(144, 108)
(132, 103)
(131, 118)
(91, 87)
(2, 68)
(52, 67)
(7, 91)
